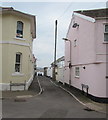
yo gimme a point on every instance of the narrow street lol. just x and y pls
(52, 103)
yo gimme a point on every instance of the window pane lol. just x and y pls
(19, 25)
(77, 71)
(19, 30)
(18, 56)
(17, 67)
(106, 28)
(106, 37)
(18, 62)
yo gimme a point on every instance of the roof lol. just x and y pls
(59, 60)
(11, 10)
(6, 8)
(96, 13)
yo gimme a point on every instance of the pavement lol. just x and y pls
(35, 89)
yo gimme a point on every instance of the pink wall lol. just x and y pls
(90, 48)
(100, 45)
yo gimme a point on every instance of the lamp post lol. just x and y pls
(70, 63)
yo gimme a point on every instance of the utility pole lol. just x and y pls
(54, 72)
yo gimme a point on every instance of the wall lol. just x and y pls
(60, 71)
(49, 72)
(99, 41)
(89, 51)
(94, 76)
(12, 45)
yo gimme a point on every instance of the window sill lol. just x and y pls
(77, 77)
(17, 74)
(105, 42)
(19, 38)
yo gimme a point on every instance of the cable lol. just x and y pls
(65, 11)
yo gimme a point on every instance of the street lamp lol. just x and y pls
(70, 64)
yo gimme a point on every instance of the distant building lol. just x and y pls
(39, 71)
(45, 71)
(49, 72)
(18, 31)
(85, 62)
(60, 69)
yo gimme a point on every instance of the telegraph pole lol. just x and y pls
(54, 72)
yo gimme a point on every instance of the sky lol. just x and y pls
(46, 13)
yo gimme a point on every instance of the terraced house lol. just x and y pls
(16, 59)
(86, 53)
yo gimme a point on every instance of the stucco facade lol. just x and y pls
(60, 69)
(88, 53)
(12, 45)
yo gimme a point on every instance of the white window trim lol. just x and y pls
(17, 74)
(19, 38)
(19, 63)
(76, 76)
(105, 42)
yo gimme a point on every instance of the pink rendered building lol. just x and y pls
(86, 53)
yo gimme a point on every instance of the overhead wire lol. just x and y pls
(65, 10)
(70, 5)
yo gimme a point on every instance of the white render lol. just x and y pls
(89, 52)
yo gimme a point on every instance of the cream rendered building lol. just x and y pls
(16, 59)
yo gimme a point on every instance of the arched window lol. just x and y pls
(19, 32)
(18, 62)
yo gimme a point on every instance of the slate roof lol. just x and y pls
(96, 13)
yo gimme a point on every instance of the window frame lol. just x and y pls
(18, 63)
(77, 72)
(19, 33)
(105, 32)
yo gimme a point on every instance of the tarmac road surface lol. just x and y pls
(52, 103)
